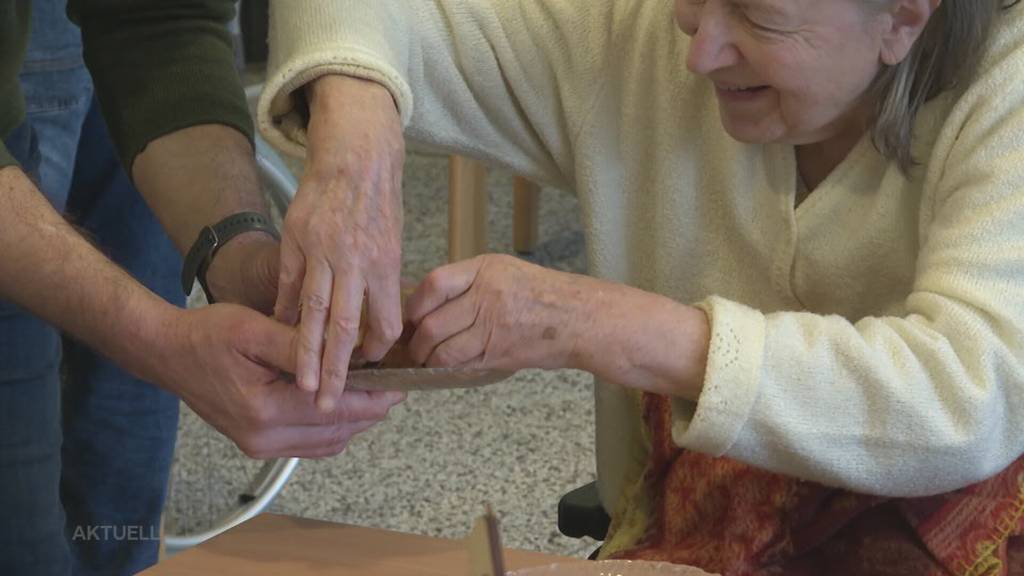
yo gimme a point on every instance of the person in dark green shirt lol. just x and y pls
(164, 74)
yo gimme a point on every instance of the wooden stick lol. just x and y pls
(486, 556)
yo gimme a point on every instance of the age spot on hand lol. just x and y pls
(550, 333)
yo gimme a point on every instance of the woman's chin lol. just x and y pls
(748, 136)
(751, 133)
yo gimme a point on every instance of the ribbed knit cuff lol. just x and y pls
(307, 42)
(731, 380)
(282, 112)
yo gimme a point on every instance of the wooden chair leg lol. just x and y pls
(467, 208)
(526, 207)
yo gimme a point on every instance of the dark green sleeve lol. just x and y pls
(14, 29)
(5, 157)
(160, 66)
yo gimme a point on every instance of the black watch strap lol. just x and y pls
(211, 239)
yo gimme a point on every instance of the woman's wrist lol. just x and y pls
(580, 302)
(327, 95)
(690, 366)
(641, 340)
(354, 125)
(596, 336)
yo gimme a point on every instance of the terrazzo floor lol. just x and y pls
(429, 467)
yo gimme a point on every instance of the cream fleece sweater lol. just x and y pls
(870, 339)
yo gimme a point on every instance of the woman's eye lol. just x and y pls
(768, 28)
(760, 27)
(755, 22)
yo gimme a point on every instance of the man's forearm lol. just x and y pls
(195, 177)
(49, 269)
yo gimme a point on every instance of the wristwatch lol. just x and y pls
(211, 239)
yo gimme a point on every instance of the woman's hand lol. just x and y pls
(342, 235)
(499, 312)
(496, 311)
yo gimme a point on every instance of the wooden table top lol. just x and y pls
(270, 544)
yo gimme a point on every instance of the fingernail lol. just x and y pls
(325, 404)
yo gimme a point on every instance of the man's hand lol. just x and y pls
(342, 235)
(226, 363)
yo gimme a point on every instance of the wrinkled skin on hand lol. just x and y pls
(342, 235)
(499, 312)
(495, 311)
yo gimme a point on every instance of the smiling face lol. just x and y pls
(789, 71)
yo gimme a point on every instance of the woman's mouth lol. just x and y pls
(736, 93)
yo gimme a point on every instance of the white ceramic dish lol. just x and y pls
(612, 568)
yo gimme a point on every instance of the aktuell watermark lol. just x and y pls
(116, 533)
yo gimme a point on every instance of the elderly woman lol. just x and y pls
(805, 226)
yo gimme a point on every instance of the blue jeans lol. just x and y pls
(84, 458)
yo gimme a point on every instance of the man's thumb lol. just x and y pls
(274, 344)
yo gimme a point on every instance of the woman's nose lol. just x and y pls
(711, 45)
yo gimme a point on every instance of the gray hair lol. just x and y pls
(943, 58)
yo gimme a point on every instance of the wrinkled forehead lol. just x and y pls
(804, 10)
(779, 7)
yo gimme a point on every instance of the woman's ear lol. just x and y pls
(907, 20)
